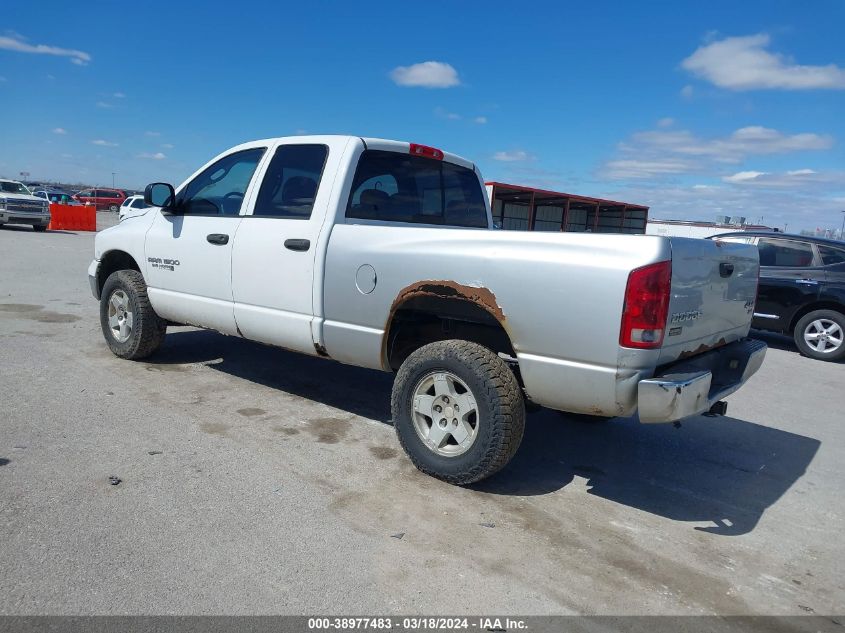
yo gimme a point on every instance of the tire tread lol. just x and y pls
(503, 395)
(147, 323)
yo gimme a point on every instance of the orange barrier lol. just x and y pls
(67, 217)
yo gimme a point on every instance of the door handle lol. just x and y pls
(297, 245)
(807, 282)
(217, 238)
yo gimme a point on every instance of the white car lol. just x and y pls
(133, 206)
(19, 206)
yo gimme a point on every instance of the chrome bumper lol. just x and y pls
(22, 217)
(691, 387)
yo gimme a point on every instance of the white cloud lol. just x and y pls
(481, 120)
(744, 176)
(167, 145)
(103, 143)
(743, 63)
(666, 122)
(426, 75)
(118, 95)
(512, 156)
(156, 156)
(104, 104)
(687, 91)
(675, 151)
(152, 133)
(647, 168)
(2, 79)
(59, 130)
(19, 45)
(795, 178)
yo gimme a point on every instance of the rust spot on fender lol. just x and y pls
(450, 290)
(443, 289)
(703, 348)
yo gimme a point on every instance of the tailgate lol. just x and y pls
(714, 285)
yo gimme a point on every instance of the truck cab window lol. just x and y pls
(290, 185)
(220, 188)
(395, 187)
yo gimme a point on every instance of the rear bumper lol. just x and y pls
(691, 387)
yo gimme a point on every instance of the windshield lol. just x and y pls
(12, 187)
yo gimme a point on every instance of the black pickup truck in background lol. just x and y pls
(802, 290)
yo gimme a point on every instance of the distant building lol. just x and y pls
(519, 208)
(693, 228)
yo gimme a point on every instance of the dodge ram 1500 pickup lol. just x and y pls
(382, 254)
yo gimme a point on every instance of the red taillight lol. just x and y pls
(646, 306)
(425, 150)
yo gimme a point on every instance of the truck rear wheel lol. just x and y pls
(131, 327)
(821, 335)
(458, 411)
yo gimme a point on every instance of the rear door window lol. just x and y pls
(831, 255)
(395, 187)
(785, 253)
(291, 182)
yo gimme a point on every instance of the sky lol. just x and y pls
(695, 109)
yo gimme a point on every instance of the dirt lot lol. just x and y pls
(258, 481)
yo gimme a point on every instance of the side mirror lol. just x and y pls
(160, 194)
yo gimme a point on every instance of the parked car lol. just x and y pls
(56, 196)
(110, 199)
(802, 290)
(381, 254)
(131, 207)
(19, 206)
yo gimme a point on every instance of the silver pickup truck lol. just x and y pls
(382, 254)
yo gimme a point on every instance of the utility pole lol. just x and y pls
(112, 179)
(842, 230)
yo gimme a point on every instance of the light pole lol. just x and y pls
(842, 230)
(112, 179)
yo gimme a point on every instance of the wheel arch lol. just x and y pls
(432, 311)
(112, 261)
(812, 307)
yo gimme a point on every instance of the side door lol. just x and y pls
(790, 277)
(275, 256)
(99, 199)
(189, 253)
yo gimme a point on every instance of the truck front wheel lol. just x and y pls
(131, 327)
(458, 411)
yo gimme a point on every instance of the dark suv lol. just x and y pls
(802, 290)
